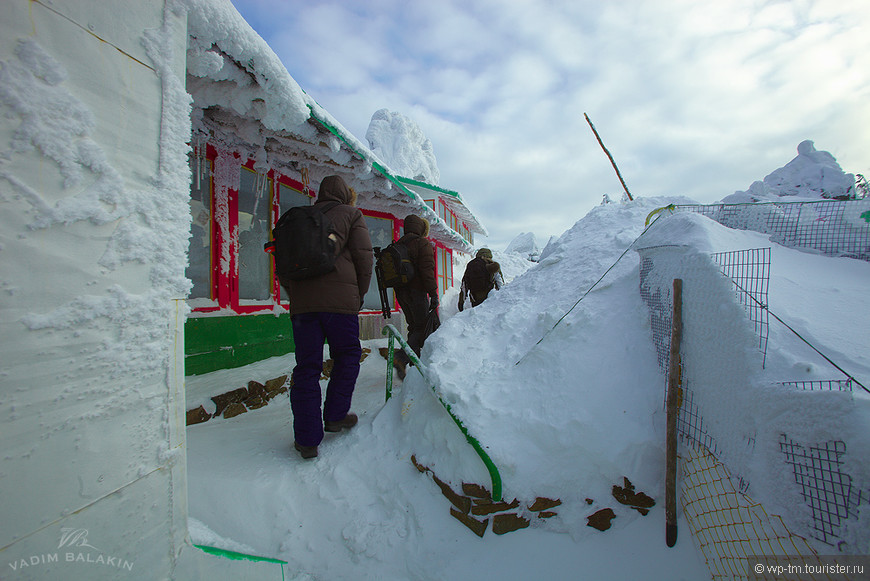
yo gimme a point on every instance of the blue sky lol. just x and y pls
(692, 98)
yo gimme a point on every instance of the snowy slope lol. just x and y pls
(581, 410)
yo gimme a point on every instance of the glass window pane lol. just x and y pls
(199, 254)
(439, 267)
(255, 276)
(290, 198)
(381, 232)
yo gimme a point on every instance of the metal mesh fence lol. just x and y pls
(658, 300)
(833, 227)
(821, 385)
(827, 490)
(728, 525)
(749, 271)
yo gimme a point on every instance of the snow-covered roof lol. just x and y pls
(242, 91)
(452, 198)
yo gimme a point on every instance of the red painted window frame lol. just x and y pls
(224, 285)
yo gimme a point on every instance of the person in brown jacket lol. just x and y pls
(413, 297)
(327, 308)
(482, 274)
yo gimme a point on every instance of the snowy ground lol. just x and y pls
(567, 417)
(362, 511)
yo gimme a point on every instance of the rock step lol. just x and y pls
(475, 501)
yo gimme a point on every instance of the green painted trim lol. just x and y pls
(457, 241)
(438, 189)
(213, 343)
(237, 556)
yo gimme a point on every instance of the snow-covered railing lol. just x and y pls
(394, 335)
(833, 227)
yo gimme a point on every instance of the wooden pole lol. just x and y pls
(672, 410)
(610, 157)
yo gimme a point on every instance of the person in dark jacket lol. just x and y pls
(482, 274)
(413, 297)
(327, 308)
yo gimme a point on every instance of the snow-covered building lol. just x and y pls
(260, 146)
(113, 203)
(452, 210)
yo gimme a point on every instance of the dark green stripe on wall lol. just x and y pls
(212, 343)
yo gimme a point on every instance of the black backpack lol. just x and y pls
(477, 277)
(394, 265)
(304, 243)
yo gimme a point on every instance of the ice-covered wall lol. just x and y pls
(93, 237)
(92, 462)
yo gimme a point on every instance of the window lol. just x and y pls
(444, 267)
(254, 210)
(231, 221)
(233, 210)
(290, 197)
(199, 254)
(381, 233)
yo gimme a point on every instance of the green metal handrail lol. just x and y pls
(394, 336)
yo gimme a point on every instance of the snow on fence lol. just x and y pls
(724, 430)
(833, 227)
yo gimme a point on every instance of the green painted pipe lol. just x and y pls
(238, 556)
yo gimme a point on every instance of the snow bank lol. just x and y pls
(524, 244)
(544, 381)
(568, 421)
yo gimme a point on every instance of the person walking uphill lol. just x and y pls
(412, 297)
(482, 274)
(327, 307)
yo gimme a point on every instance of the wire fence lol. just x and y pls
(832, 227)
(824, 486)
(728, 525)
(749, 271)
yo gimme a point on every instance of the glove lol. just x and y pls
(433, 303)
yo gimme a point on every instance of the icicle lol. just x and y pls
(198, 164)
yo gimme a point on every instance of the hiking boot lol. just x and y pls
(307, 452)
(347, 423)
(400, 368)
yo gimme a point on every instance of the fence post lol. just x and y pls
(672, 411)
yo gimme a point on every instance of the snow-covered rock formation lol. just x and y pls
(809, 176)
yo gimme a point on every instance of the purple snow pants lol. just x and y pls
(341, 331)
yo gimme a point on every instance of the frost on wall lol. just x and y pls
(152, 224)
(58, 125)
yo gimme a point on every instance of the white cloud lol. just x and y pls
(692, 98)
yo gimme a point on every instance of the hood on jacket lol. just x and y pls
(416, 225)
(484, 253)
(334, 188)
